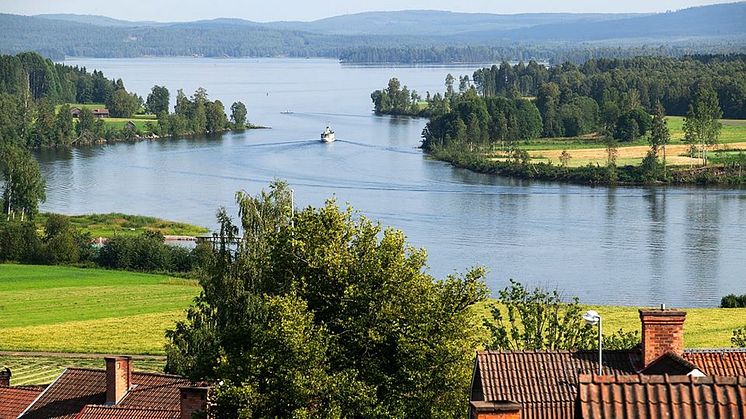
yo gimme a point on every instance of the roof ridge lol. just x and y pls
(714, 350)
(149, 409)
(160, 374)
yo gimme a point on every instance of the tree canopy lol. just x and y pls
(321, 313)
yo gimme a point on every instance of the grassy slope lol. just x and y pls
(88, 310)
(64, 309)
(108, 225)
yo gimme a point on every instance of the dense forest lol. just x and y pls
(34, 93)
(503, 103)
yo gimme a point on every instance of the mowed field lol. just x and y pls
(591, 150)
(64, 309)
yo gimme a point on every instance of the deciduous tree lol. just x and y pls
(321, 313)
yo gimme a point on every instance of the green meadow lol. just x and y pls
(95, 311)
(117, 224)
(65, 309)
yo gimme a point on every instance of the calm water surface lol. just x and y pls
(632, 246)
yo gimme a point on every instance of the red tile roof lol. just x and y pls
(14, 400)
(661, 396)
(723, 362)
(543, 382)
(114, 412)
(78, 387)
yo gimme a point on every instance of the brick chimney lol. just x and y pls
(118, 378)
(662, 331)
(193, 400)
(5, 377)
(493, 410)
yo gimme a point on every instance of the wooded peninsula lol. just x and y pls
(531, 121)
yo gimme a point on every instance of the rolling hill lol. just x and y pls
(419, 33)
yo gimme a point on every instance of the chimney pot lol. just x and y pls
(118, 378)
(662, 331)
(193, 400)
(5, 377)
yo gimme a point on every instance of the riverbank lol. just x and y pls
(118, 224)
(732, 175)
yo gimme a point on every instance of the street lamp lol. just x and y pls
(592, 317)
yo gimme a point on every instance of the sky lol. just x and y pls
(270, 10)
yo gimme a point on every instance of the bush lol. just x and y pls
(733, 301)
(19, 242)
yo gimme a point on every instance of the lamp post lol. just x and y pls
(592, 317)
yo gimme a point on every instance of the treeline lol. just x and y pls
(34, 93)
(610, 98)
(30, 73)
(474, 122)
(60, 243)
(442, 55)
(643, 80)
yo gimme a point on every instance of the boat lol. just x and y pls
(327, 136)
(287, 112)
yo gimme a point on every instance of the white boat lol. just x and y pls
(327, 136)
(287, 112)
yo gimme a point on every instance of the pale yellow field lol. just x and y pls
(675, 154)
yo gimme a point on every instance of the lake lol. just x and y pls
(625, 246)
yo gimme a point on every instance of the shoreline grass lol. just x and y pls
(113, 224)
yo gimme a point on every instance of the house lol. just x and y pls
(14, 400)
(562, 384)
(75, 112)
(114, 392)
(100, 113)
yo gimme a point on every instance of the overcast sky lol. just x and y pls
(268, 10)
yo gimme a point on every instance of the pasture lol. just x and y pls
(65, 309)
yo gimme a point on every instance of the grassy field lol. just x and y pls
(64, 309)
(590, 148)
(30, 370)
(704, 327)
(108, 225)
(117, 123)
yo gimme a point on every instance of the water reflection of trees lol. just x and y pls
(702, 244)
(656, 243)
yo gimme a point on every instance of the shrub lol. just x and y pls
(19, 242)
(733, 301)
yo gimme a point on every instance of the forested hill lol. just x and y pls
(403, 37)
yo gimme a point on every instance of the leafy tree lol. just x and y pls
(63, 126)
(238, 115)
(215, 118)
(60, 241)
(23, 186)
(739, 338)
(538, 319)
(123, 104)
(320, 313)
(702, 123)
(659, 135)
(158, 100)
